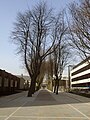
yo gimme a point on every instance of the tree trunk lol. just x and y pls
(38, 87)
(32, 87)
(57, 87)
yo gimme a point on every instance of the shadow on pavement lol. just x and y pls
(44, 98)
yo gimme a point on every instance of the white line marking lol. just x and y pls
(79, 112)
(44, 117)
(87, 103)
(78, 99)
(49, 90)
(15, 111)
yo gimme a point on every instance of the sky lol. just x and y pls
(9, 60)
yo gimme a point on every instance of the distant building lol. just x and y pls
(9, 83)
(63, 85)
(80, 75)
(24, 81)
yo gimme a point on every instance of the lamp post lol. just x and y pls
(69, 77)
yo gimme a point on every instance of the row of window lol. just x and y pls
(81, 70)
(81, 85)
(6, 82)
(81, 77)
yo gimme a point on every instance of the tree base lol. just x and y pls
(29, 95)
(56, 93)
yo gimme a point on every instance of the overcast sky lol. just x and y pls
(9, 61)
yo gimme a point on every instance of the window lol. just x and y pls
(15, 83)
(0, 81)
(5, 82)
(11, 83)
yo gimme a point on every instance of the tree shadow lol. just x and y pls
(43, 98)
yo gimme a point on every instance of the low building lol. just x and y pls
(9, 83)
(80, 75)
(63, 84)
(24, 82)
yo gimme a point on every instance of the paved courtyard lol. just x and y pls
(44, 105)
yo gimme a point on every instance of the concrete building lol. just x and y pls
(63, 84)
(80, 75)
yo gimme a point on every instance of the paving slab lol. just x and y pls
(45, 105)
(42, 118)
(2, 117)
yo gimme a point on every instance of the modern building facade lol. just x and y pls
(80, 75)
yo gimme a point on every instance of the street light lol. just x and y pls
(69, 76)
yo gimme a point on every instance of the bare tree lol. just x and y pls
(49, 71)
(49, 66)
(32, 35)
(61, 52)
(41, 76)
(80, 28)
